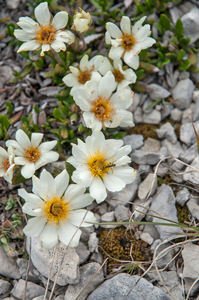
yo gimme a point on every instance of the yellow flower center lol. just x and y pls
(98, 165)
(128, 41)
(46, 34)
(103, 109)
(84, 76)
(6, 164)
(56, 210)
(32, 154)
(118, 76)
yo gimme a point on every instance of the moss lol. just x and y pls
(118, 243)
(166, 180)
(147, 130)
(182, 213)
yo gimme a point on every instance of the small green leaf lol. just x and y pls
(159, 28)
(9, 108)
(36, 109)
(172, 56)
(161, 56)
(165, 22)
(184, 64)
(181, 55)
(179, 29)
(56, 114)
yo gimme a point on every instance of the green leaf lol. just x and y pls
(56, 114)
(181, 55)
(179, 29)
(9, 108)
(159, 28)
(165, 22)
(184, 64)
(4, 122)
(69, 168)
(36, 109)
(172, 56)
(161, 56)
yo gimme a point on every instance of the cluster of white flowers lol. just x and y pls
(100, 87)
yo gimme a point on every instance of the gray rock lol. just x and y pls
(82, 252)
(166, 111)
(191, 23)
(171, 281)
(33, 290)
(146, 104)
(93, 243)
(97, 257)
(196, 111)
(4, 286)
(136, 102)
(162, 170)
(87, 272)
(187, 113)
(184, 75)
(190, 174)
(146, 237)
(177, 166)
(140, 208)
(174, 150)
(126, 286)
(42, 258)
(167, 131)
(102, 208)
(108, 217)
(134, 140)
(154, 117)
(175, 13)
(196, 96)
(6, 74)
(165, 256)
(152, 231)
(191, 262)
(137, 115)
(12, 4)
(164, 204)
(144, 170)
(157, 92)
(23, 266)
(188, 282)
(60, 297)
(193, 207)
(182, 93)
(182, 196)
(124, 196)
(146, 185)
(190, 154)
(8, 266)
(86, 232)
(123, 214)
(176, 115)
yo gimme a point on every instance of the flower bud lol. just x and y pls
(81, 21)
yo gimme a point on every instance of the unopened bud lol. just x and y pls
(81, 21)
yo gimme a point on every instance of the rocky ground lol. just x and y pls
(165, 155)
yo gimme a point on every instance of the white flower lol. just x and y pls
(30, 153)
(81, 21)
(129, 41)
(123, 76)
(7, 164)
(44, 34)
(88, 70)
(101, 164)
(56, 208)
(101, 107)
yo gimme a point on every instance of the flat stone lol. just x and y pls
(187, 113)
(42, 258)
(192, 176)
(165, 257)
(4, 286)
(6, 74)
(167, 131)
(33, 290)
(162, 170)
(23, 265)
(85, 284)
(191, 23)
(8, 266)
(144, 170)
(82, 252)
(158, 92)
(123, 214)
(140, 208)
(93, 243)
(182, 196)
(108, 217)
(164, 204)
(190, 154)
(124, 196)
(146, 104)
(137, 115)
(154, 117)
(182, 93)
(126, 286)
(196, 111)
(12, 4)
(193, 207)
(174, 150)
(148, 185)
(146, 237)
(152, 231)
(191, 262)
(86, 232)
(134, 140)
(136, 102)
(176, 115)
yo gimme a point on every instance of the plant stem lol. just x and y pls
(58, 58)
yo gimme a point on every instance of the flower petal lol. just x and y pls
(83, 177)
(61, 183)
(132, 61)
(42, 13)
(44, 48)
(29, 197)
(127, 118)
(60, 20)
(74, 191)
(20, 161)
(137, 25)
(91, 121)
(143, 33)
(47, 146)
(23, 139)
(49, 236)
(116, 53)
(77, 216)
(46, 158)
(36, 139)
(3, 153)
(113, 183)
(65, 36)
(98, 190)
(28, 170)
(28, 24)
(66, 232)
(106, 85)
(70, 80)
(125, 25)
(81, 201)
(35, 226)
(127, 174)
(29, 46)
(105, 66)
(49, 188)
(82, 99)
(58, 46)
(113, 30)
(23, 35)
(83, 62)
(122, 98)
(18, 149)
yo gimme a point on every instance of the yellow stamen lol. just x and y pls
(84, 76)
(46, 34)
(6, 164)
(32, 154)
(98, 165)
(118, 76)
(103, 109)
(128, 41)
(56, 210)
